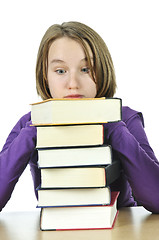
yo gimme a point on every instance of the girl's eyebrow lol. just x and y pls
(62, 61)
(57, 61)
(85, 59)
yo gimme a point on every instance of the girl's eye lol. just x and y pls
(85, 70)
(60, 71)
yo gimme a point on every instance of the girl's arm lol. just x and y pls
(15, 156)
(138, 160)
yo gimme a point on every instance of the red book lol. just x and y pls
(81, 217)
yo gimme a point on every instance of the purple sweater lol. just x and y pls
(140, 173)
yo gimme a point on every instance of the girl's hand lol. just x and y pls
(109, 129)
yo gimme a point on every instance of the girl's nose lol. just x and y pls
(73, 81)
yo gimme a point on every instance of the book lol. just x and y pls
(70, 135)
(81, 217)
(73, 197)
(76, 111)
(77, 156)
(79, 177)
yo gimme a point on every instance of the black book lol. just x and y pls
(80, 177)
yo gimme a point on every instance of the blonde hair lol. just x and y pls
(102, 70)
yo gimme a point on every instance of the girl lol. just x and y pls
(74, 62)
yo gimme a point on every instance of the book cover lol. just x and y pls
(73, 197)
(75, 156)
(80, 218)
(76, 111)
(80, 177)
(70, 135)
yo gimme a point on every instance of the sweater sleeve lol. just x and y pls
(139, 163)
(15, 156)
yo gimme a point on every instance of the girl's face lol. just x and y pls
(68, 72)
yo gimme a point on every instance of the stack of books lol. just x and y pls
(76, 166)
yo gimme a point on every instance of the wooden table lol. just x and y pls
(132, 223)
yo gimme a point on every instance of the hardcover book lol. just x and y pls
(76, 111)
(71, 135)
(79, 177)
(80, 218)
(77, 156)
(73, 197)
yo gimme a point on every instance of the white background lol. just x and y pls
(130, 30)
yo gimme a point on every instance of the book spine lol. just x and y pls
(112, 172)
